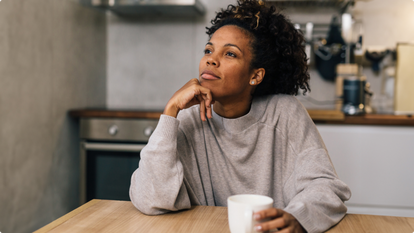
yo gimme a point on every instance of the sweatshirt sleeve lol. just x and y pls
(157, 185)
(314, 194)
(317, 194)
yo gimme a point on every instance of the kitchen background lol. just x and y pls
(59, 55)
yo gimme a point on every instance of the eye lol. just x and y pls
(207, 51)
(231, 54)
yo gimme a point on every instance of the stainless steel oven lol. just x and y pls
(110, 153)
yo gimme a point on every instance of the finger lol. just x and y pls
(208, 108)
(268, 213)
(272, 224)
(206, 94)
(209, 112)
(207, 98)
(203, 110)
(286, 230)
(189, 101)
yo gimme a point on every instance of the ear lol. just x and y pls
(257, 77)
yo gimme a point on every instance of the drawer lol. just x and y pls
(117, 129)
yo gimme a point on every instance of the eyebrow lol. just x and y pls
(227, 45)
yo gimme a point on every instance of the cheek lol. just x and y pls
(201, 65)
(237, 72)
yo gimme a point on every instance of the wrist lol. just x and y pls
(171, 110)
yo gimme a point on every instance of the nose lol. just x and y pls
(212, 61)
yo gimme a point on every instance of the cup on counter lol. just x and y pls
(241, 208)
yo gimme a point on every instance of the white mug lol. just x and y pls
(241, 208)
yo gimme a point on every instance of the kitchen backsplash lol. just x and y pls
(149, 58)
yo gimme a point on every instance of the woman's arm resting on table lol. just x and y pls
(316, 200)
(315, 192)
(157, 185)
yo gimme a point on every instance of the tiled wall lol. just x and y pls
(52, 58)
(150, 58)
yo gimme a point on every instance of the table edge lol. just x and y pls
(67, 216)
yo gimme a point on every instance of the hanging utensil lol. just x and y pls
(308, 37)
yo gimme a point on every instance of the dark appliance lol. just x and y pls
(110, 153)
(354, 97)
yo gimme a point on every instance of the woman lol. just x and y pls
(238, 129)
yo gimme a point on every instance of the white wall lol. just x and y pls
(149, 58)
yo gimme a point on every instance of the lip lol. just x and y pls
(209, 75)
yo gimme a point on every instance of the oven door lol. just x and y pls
(106, 169)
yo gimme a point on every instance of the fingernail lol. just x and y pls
(256, 216)
(258, 228)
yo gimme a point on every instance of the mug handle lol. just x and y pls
(248, 214)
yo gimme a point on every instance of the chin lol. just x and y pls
(207, 84)
(211, 87)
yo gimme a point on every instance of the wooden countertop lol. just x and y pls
(318, 116)
(115, 113)
(122, 216)
(367, 119)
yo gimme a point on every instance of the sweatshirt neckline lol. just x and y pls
(236, 125)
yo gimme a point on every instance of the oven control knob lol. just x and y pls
(113, 130)
(148, 131)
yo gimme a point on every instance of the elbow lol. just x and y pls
(139, 199)
(144, 205)
(145, 209)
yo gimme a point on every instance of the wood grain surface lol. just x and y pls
(112, 113)
(318, 116)
(358, 223)
(371, 119)
(332, 115)
(122, 216)
(66, 217)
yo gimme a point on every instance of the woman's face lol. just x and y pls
(225, 67)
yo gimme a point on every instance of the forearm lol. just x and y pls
(157, 185)
(314, 193)
(319, 206)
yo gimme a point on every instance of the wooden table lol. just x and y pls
(122, 216)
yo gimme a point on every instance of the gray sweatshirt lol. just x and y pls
(274, 150)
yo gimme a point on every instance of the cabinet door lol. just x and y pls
(377, 162)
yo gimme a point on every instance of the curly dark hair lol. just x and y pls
(276, 46)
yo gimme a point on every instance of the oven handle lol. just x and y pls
(113, 147)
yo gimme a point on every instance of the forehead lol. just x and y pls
(232, 34)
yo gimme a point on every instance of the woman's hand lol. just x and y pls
(280, 219)
(190, 94)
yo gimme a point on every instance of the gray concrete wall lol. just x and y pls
(52, 59)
